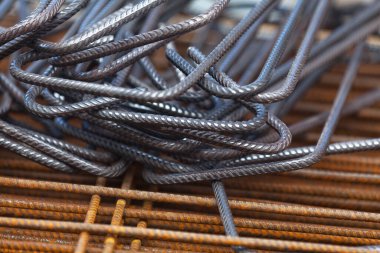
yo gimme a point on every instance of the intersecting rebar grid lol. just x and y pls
(155, 126)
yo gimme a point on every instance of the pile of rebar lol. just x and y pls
(188, 126)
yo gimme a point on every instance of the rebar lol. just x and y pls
(154, 125)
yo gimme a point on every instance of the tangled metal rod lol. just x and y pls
(191, 96)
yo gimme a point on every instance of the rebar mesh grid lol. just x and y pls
(151, 126)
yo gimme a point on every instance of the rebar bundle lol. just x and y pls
(214, 130)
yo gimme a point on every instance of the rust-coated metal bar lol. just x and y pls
(90, 218)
